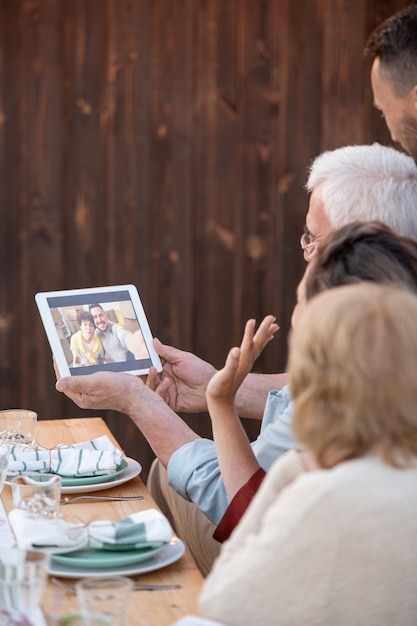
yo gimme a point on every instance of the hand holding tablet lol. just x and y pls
(98, 329)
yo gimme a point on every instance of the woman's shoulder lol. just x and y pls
(367, 478)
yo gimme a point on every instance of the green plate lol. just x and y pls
(73, 481)
(104, 558)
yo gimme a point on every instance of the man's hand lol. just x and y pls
(184, 377)
(225, 383)
(160, 387)
(102, 390)
(164, 430)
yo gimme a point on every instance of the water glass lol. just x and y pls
(108, 596)
(17, 426)
(36, 493)
(22, 579)
(4, 464)
(82, 618)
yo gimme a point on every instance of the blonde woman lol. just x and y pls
(338, 545)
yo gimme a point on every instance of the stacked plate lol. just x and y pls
(108, 562)
(128, 469)
(88, 562)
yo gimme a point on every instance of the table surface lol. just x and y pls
(148, 608)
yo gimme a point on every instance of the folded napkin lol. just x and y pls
(145, 529)
(89, 458)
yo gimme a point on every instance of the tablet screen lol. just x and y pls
(98, 329)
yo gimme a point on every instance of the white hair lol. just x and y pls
(367, 183)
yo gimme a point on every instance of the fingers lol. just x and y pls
(63, 384)
(247, 348)
(253, 343)
(223, 382)
(167, 353)
(163, 389)
(70, 387)
(265, 333)
(56, 369)
(160, 386)
(248, 333)
(153, 379)
(80, 384)
(232, 359)
(267, 328)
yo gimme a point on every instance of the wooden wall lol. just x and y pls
(165, 143)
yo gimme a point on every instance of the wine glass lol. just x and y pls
(4, 464)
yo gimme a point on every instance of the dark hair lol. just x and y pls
(93, 306)
(85, 316)
(394, 42)
(363, 252)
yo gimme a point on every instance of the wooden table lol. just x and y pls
(148, 608)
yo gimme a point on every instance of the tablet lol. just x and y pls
(98, 329)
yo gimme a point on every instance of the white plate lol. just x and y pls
(171, 553)
(132, 470)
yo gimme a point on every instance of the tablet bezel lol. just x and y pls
(49, 301)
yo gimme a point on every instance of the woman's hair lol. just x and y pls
(367, 182)
(362, 251)
(85, 316)
(353, 374)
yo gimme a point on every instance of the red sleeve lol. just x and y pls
(238, 506)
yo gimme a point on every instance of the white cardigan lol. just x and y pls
(334, 548)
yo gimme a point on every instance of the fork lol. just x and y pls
(136, 586)
(102, 498)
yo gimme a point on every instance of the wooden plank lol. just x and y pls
(342, 71)
(85, 52)
(40, 191)
(170, 245)
(9, 206)
(215, 179)
(299, 133)
(127, 166)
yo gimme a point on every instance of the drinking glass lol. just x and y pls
(39, 494)
(4, 464)
(22, 579)
(17, 426)
(108, 596)
(82, 618)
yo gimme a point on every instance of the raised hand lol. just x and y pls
(237, 461)
(239, 362)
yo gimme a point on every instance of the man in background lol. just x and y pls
(393, 46)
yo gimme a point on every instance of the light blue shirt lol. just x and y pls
(193, 469)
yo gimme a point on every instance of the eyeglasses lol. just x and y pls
(308, 241)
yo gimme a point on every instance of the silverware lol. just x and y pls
(136, 586)
(106, 498)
